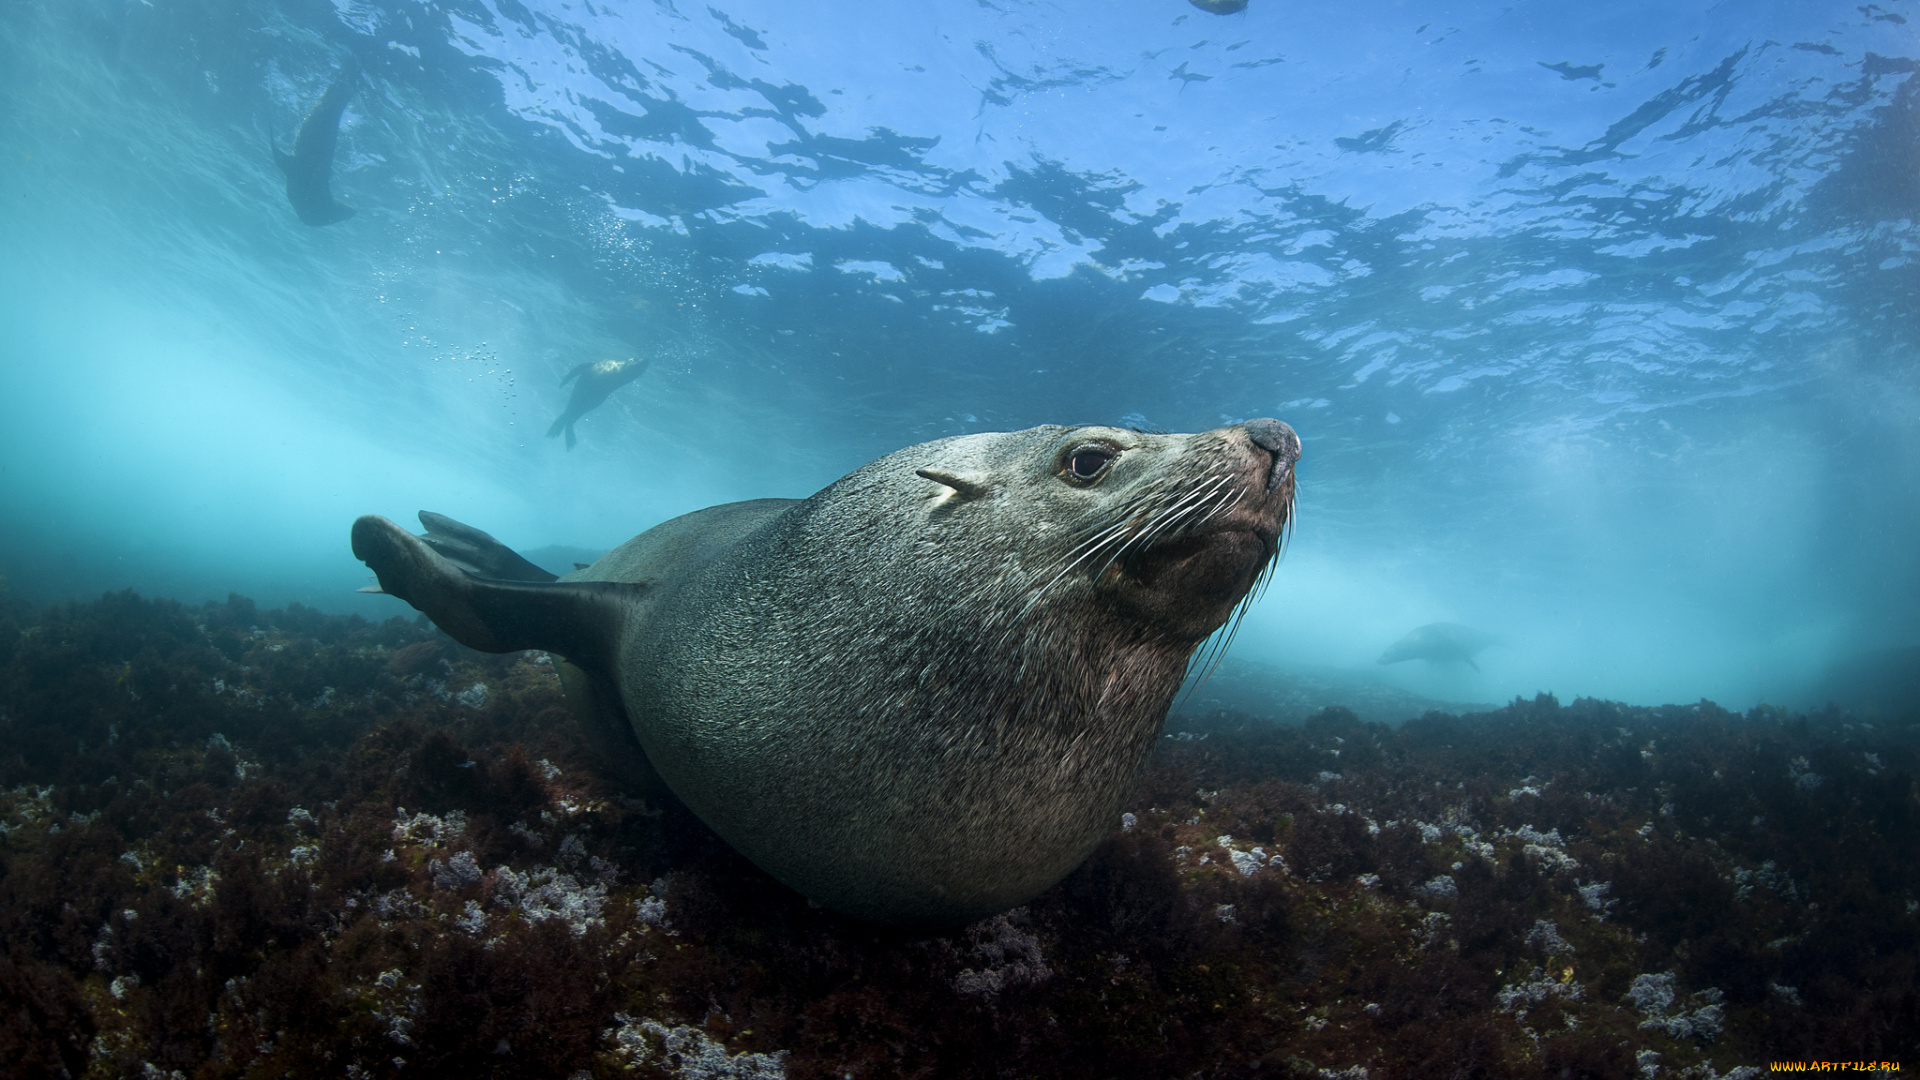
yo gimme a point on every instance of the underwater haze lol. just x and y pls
(1597, 322)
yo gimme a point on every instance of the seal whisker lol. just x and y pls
(1226, 641)
(1266, 578)
(1172, 524)
(1130, 510)
(1095, 542)
(1212, 488)
(1107, 533)
(1145, 535)
(1091, 547)
(1216, 648)
(1214, 651)
(1159, 521)
(1138, 514)
(1221, 508)
(1191, 503)
(1087, 549)
(1140, 522)
(1136, 519)
(1176, 525)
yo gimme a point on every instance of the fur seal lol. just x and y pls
(308, 168)
(922, 695)
(595, 383)
(1441, 642)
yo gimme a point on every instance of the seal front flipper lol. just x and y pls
(579, 620)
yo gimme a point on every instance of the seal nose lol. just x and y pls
(1279, 440)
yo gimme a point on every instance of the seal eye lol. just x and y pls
(1086, 463)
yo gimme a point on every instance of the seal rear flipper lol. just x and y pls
(476, 552)
(579, 620)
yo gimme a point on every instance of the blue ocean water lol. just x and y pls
(1598, 322)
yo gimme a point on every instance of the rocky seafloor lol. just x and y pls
(238, 842)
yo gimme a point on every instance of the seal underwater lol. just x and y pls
(1440, 643)
(309, 167)
(922, 695)
(592, 384)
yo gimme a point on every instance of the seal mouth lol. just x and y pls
(1262, 510)
(1212, 568)
(1248, 509)
(1209, 545)
(1189, 569)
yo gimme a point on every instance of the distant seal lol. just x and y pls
(1220, 7)
(594, 383)
(1442, 643)
(309, 167)
(922, 695)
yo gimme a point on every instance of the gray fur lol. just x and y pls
(915, 703)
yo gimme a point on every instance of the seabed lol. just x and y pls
(244, 842)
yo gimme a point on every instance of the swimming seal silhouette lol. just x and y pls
(595, 383)
(1442, 643)
(922, 695)
(308, 168)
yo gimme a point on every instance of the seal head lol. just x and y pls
(922, 695)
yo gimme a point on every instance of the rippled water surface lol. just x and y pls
(1597, 322)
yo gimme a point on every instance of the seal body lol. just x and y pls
(309, 168)
(1440, 643)
(922, 695)
(592, 384)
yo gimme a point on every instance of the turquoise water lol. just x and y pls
(1598, 325)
